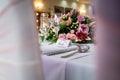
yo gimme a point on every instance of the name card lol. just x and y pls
(63, 43)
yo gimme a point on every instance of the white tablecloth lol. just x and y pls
(54, 68)
(77, 67)
(80, 69)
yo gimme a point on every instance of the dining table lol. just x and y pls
(80, 66)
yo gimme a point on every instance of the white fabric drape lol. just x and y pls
(19, 49)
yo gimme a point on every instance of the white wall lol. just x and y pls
(49, 4)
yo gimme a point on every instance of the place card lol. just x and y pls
(63, 43)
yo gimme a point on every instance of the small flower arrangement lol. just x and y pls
(72, 26)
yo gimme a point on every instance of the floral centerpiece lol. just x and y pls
(72, 26)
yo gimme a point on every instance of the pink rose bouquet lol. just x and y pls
(73, 26)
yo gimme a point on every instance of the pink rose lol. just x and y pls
(71, 36)
(62, 36)
(68, 36)
(68, 22)
(72, 31)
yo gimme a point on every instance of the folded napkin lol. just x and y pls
(78, 55)
(54, 49)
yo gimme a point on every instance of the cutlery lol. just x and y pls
(81, 49)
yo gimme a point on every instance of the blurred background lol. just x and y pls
(48, 8)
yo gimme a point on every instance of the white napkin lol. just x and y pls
(78, 55)
(54, 49)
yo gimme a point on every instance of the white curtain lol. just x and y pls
(19, 48)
